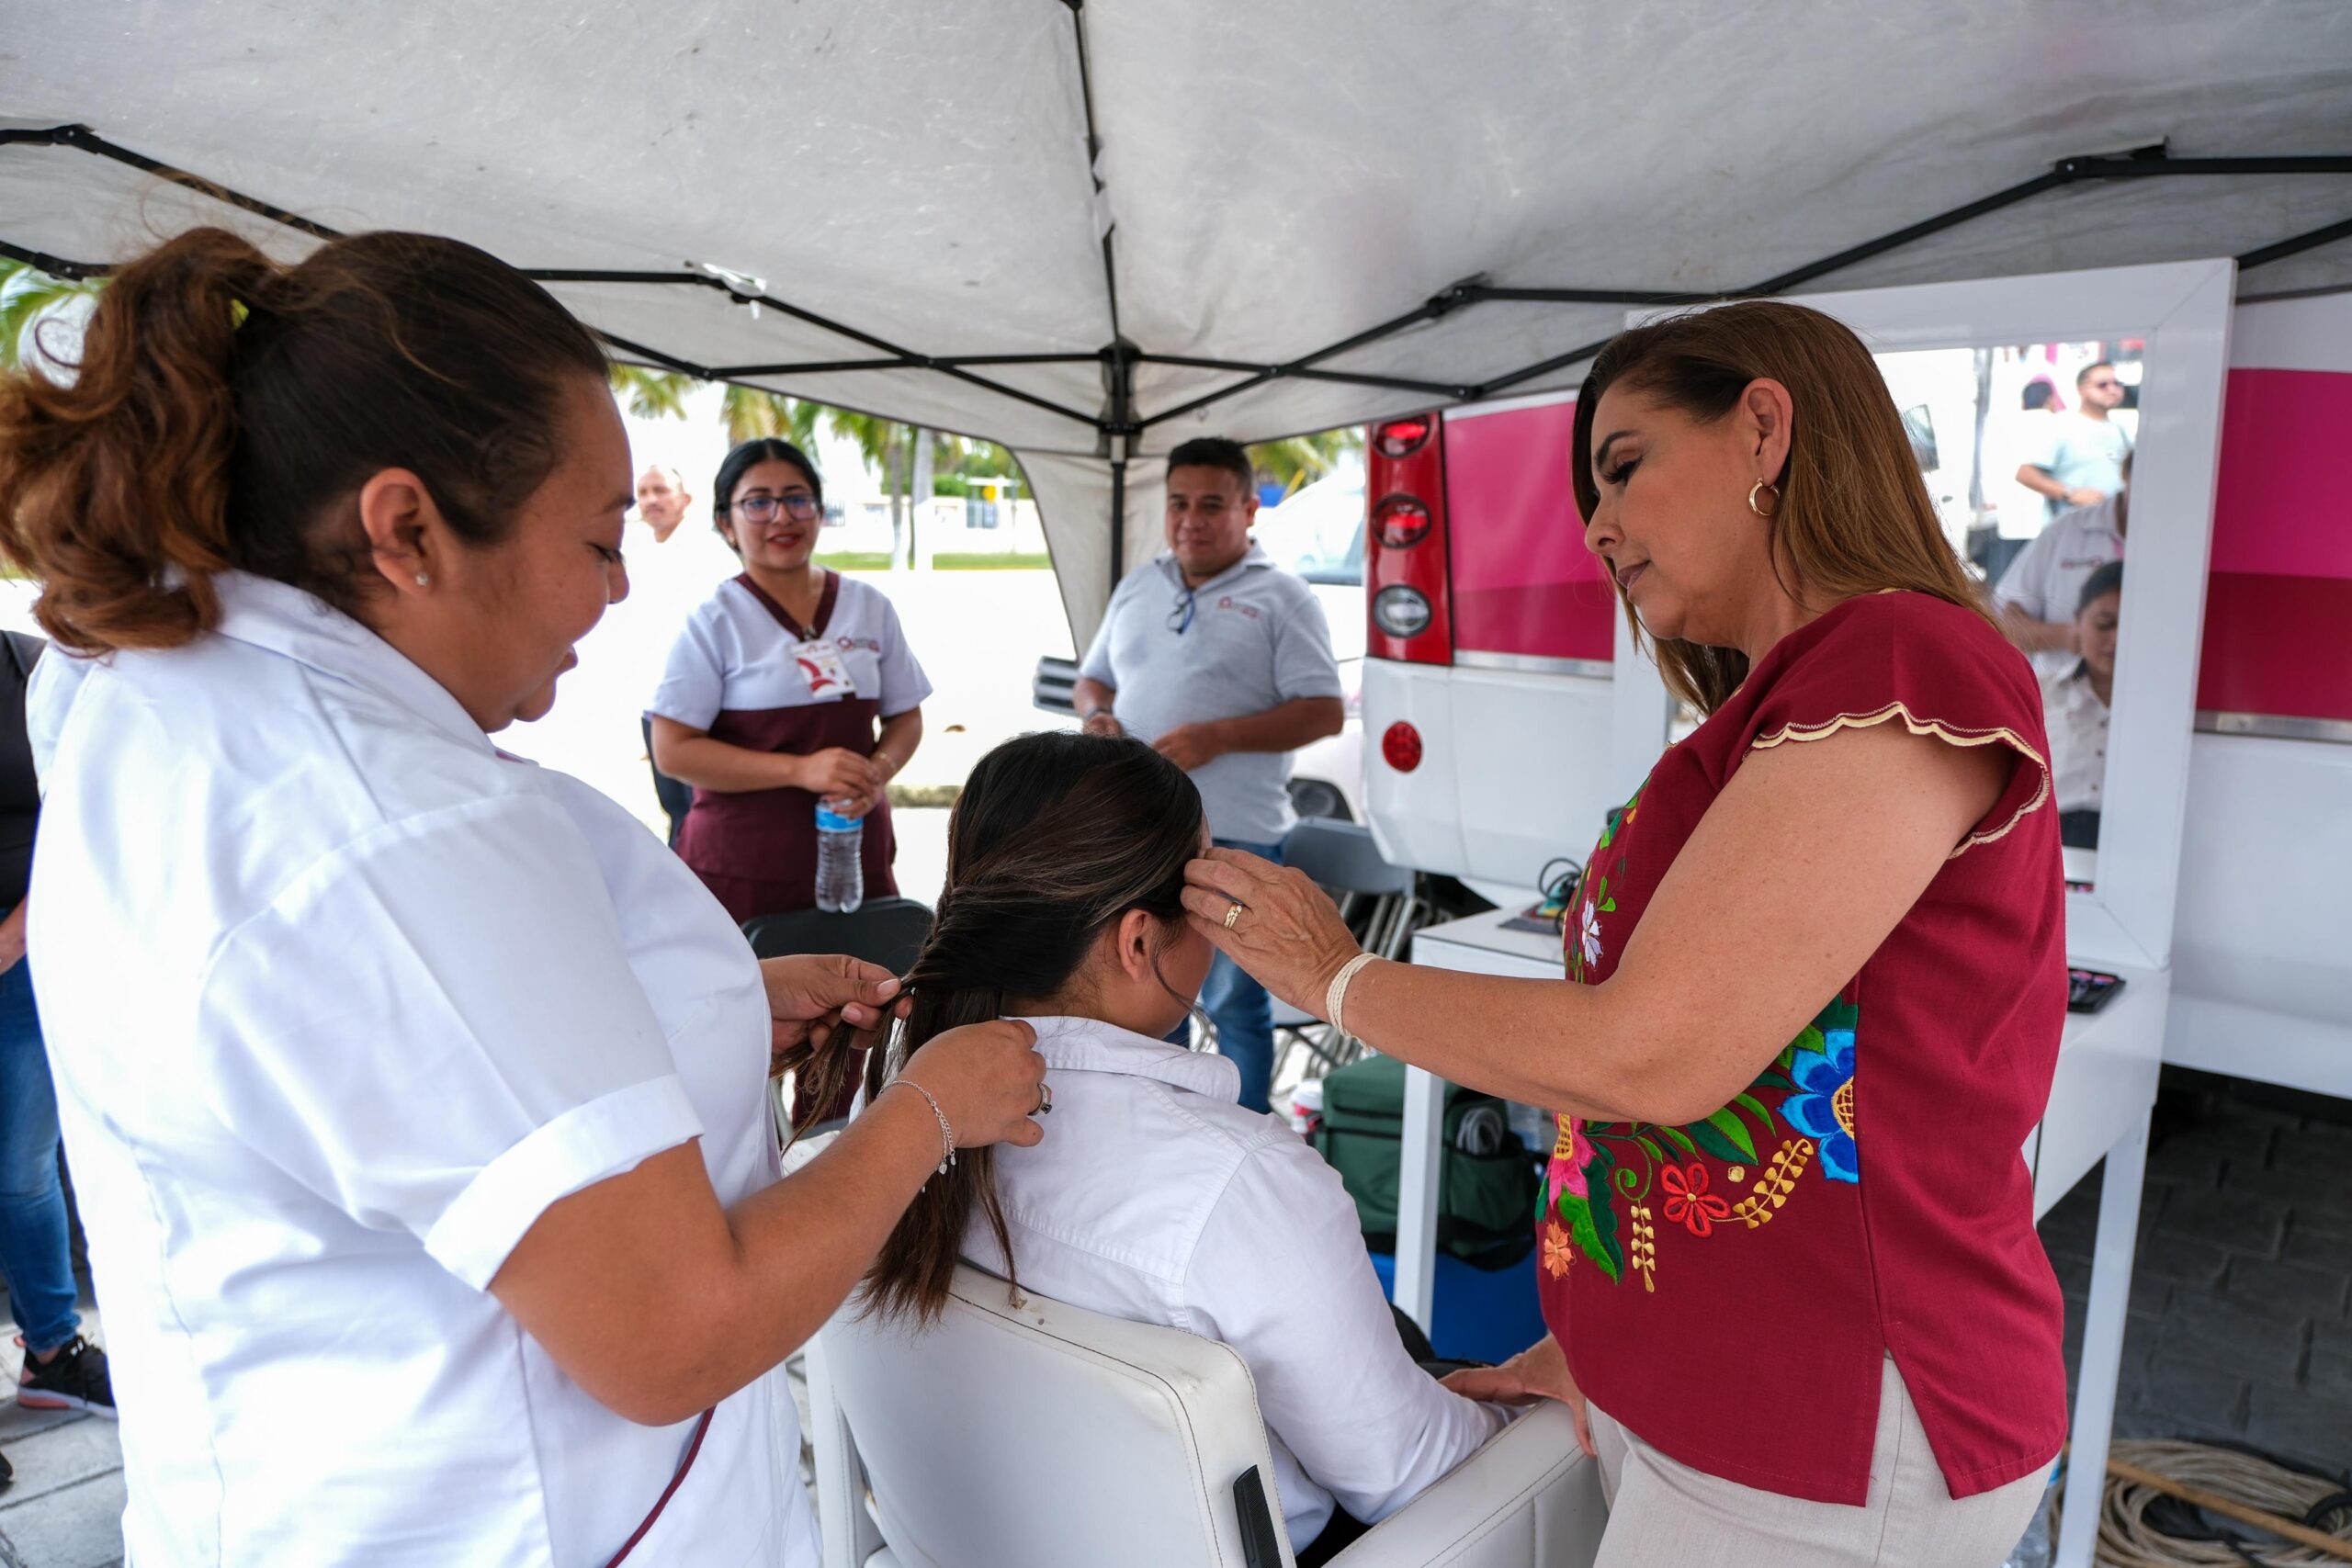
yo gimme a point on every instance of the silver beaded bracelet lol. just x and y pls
(947, 1133)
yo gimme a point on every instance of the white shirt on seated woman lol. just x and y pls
(1161, 1199)
(1157, 1199)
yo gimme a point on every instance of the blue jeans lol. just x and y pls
(33, 1248)
(1242, 1011)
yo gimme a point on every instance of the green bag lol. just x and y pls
(1485, 1201)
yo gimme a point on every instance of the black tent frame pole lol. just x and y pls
(1122, 419)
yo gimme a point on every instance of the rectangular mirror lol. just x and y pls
(2117, 660)
(2030, 481)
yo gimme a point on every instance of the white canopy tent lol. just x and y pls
(1090, 231)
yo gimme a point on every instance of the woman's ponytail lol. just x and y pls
(226, 412)
(113, 485)
(1053, 838)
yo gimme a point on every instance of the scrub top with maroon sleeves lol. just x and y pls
(1728, 1288)
(745, 671)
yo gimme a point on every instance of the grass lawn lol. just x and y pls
(879, 561)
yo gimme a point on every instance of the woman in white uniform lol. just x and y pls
(415, 1094)
(790, 685)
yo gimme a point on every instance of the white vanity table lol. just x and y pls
(2119, 898)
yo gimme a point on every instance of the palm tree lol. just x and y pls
(649, 393)
(1301, 459)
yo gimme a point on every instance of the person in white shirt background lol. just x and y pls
(416, 1096)
(2037, 599)
(1159, 1198)
(2075, 707)
(2080, 462)
(689, 564)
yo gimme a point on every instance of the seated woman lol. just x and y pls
(1154, 1196)
(2075, 708)
(773, 693)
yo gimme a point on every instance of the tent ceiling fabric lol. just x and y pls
(1275, 178)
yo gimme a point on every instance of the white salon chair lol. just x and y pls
(1021, 1433)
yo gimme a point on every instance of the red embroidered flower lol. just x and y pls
(1687, 1202)
(1557, 1253)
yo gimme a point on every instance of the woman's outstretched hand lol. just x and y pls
(1288, 936)
(1540, 1371)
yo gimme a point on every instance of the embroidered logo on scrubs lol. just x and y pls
(821, 665)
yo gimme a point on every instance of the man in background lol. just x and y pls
(2080, 462)
(1222, 663)
(661, 501)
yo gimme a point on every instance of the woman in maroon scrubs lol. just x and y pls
(772, 696)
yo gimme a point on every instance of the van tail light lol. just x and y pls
(1406, 592)
(1400, 747)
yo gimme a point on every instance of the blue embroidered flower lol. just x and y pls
(1823, 1105)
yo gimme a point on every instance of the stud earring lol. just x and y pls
(424, 580)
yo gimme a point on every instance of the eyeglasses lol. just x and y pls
(762, 509)
(1180, 617)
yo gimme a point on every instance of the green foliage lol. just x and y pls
(1301, 459)
(28, 295)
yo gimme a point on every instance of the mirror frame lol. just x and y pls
(2182, 312)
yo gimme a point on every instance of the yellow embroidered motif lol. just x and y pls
(1779, 1179)
(1641, 1257)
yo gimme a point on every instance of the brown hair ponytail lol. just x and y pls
(227, 408)
(1055, 837)
(117, 484)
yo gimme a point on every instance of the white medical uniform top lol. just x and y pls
(734, 656)
(2076, 722)
(2046, 579)
(1157, 1198)
(339, 1000)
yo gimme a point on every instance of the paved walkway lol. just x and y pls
(2239, 1325)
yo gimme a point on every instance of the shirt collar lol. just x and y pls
(264, 612)
(1090, 1046)
(1251, 559)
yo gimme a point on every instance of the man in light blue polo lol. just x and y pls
(1223, 661)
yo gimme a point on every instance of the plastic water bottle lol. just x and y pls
(841, 873)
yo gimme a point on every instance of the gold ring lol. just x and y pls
(1232, 915)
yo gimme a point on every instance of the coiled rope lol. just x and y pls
(2127, 1538)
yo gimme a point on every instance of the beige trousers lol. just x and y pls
(1663, 1514)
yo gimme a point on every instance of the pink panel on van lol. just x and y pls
(2281, 504)
(1523, 581)
(2278, 605)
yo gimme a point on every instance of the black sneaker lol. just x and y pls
(74, 1379)
(7, 1473)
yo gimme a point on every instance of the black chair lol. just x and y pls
(888, 932)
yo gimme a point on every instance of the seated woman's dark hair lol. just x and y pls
(227, 407)
(1055, 838)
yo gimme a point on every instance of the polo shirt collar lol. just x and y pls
(264, 612)
(1251, 559)
(1090, 1046)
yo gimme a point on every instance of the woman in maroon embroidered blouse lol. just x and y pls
(1817, 981)
(772, 696)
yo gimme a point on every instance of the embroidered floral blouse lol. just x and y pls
(1728, 1288)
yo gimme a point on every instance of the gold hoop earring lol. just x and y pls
(1760, 485)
